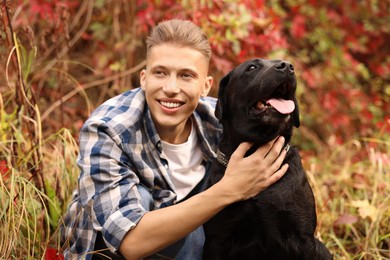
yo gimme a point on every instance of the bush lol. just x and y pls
(61, 59)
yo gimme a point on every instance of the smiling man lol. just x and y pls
(145, 155)
(173, 86)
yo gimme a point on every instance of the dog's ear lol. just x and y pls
(295, 115)
(221, 96)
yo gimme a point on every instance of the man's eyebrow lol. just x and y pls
(158, 67)
(189, 70)
(185, 69)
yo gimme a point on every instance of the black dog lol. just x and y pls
(257, 103)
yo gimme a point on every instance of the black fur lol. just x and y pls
(279, 222)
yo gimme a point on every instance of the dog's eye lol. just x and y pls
(251, 67)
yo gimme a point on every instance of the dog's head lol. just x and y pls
(257, 102)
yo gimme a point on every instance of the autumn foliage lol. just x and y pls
(340, 50)
(60, 59)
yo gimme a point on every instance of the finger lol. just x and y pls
(265, 149)
(278, 174)
(278, 161)
(242, 149)
(275, 150)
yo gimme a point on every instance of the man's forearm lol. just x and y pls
(159, 228)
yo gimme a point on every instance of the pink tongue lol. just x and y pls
(283, 106)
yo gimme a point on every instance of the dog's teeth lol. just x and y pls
(260, 105)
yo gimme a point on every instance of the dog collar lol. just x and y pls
(221, 158)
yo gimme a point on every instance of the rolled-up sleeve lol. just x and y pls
(108, 184)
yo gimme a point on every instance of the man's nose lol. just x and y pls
(171, 85)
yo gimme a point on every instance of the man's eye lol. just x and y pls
(159, 73)
(187, 75)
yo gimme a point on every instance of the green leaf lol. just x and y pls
(54, 205)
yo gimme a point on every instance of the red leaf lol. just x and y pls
(298, 27)
(44, 9)
(384, 125)
(222, 64)
(52, 254)
(4, 170)
(346, 219)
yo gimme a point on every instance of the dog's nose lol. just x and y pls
(285, 67)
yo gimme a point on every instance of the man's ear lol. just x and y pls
(295, 115)
(142, 79)
(219, 109)
(207, 86)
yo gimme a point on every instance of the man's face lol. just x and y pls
(174, 80)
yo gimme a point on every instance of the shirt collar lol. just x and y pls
(151, 131)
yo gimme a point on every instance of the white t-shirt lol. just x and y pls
(185, 163)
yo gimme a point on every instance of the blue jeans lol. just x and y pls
(188, 248)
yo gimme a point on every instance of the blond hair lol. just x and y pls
(181, 33)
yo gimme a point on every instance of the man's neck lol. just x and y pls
(176, 135)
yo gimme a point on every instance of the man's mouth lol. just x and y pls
(170, 104)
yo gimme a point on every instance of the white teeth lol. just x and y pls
(169, 104)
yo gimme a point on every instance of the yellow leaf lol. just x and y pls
(365, 209)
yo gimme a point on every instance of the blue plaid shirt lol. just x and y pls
(119, 149)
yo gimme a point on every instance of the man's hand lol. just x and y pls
(247, 176)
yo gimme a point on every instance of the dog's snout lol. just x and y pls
(285, 67)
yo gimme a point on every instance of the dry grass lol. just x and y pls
(38, 170)
(352, 189)
(29, 215)
(352, 193)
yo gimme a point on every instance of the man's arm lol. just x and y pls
(244, 178)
